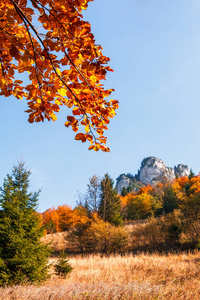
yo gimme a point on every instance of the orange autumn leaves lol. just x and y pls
(50, 42)
(138, 205)
(63, 218)
(151, 199)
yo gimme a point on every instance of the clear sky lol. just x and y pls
(154, 48)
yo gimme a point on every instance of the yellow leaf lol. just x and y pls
(58, 72)
(96, 148)
(93, 78)
(87, 128)
(53, 117)
(62, 92)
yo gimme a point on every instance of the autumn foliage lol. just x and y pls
(163, 216)
(62, 218)
(49, 40)
(161, 198)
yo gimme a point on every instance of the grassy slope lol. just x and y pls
(128, 277)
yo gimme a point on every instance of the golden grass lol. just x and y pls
(119, 277)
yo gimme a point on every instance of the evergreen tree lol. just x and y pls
(169, 200)
(124, 191)
(191, 174)
(22, 255)
(110, 204)
(63, 267)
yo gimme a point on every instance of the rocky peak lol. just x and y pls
(152, 170)
(181, 170)
(123, 181)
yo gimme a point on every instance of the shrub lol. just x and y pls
(99, 237)
(159, 233)
(191, 217)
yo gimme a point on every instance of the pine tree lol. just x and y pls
(110, 204)
(22, 255)
(124, 191)
(191, 175)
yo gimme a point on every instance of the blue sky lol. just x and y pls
(154, 48)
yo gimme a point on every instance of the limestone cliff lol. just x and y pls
(152, 170)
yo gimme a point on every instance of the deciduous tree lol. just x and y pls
(49, 40)
(138, 206)
(63, 218)
(91, 199)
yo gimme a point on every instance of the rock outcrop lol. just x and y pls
(152, 170)
(128, 181)
(181, 170)
(124, 181)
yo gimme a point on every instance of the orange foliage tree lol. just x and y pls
(138, 206)
(62, 218)
(195, 184)
(50, 220)
(64, 64)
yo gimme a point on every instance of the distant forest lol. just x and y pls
(165, 216)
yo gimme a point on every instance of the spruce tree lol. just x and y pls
(124, 191)
(22, 255)
(110, 204)
(63, 267)
(169, 200)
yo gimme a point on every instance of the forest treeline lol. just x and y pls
(164, 216)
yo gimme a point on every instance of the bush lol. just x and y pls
(159, 233)
(100, 237)
(191, 217)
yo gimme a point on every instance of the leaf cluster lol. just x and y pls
(50, 41)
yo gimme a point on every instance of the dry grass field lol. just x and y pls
(136, 277)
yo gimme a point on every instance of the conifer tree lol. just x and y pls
(169, 200)
(63, 267)
(191, 175)
(110, 204)
(124, 191)
(22, 255)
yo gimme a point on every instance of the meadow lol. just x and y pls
(141, 276)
